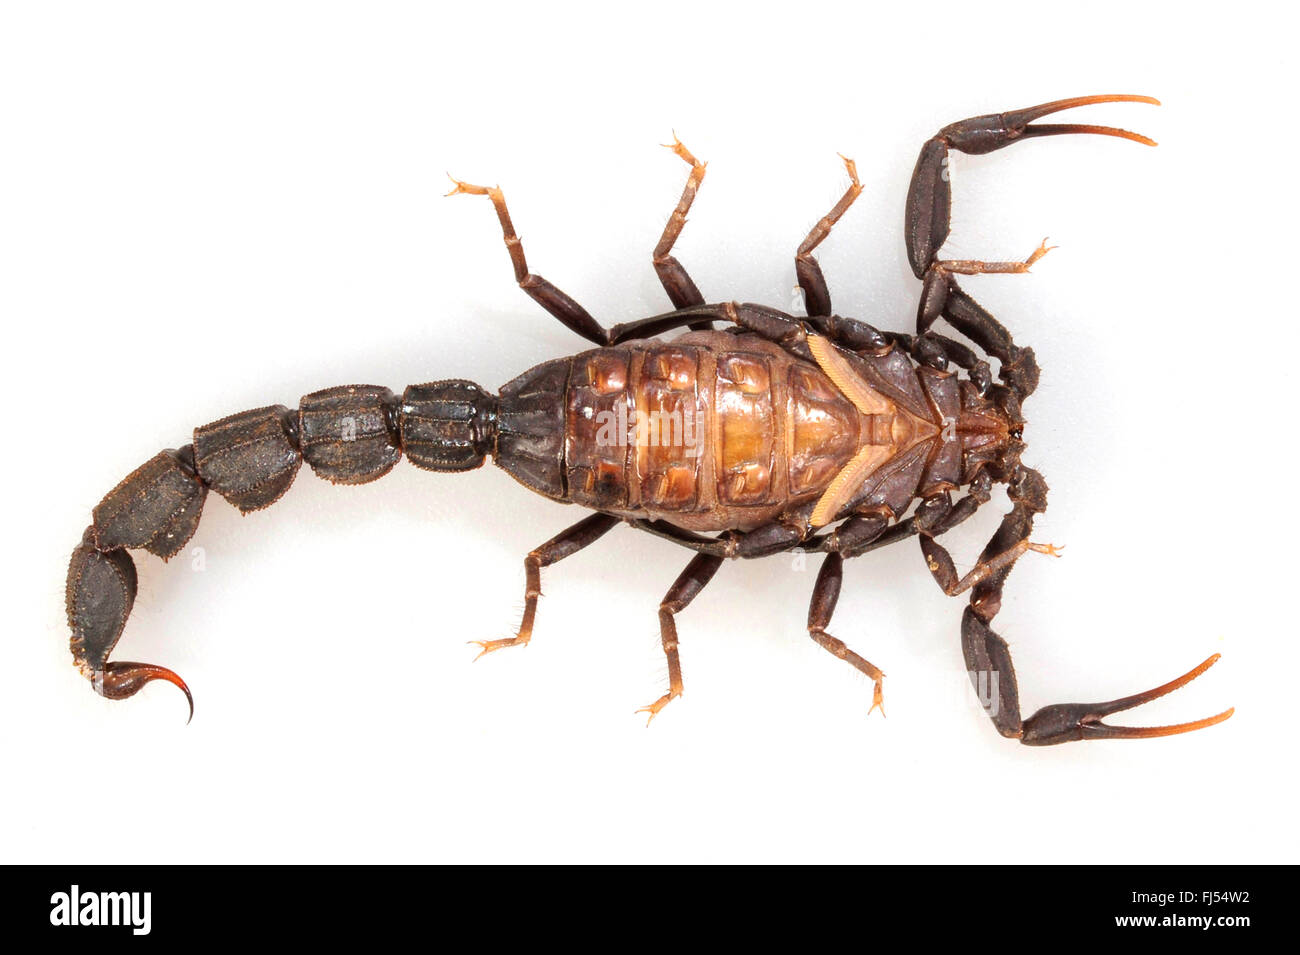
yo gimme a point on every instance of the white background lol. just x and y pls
(212, 208)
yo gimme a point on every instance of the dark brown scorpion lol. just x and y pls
(741, 442)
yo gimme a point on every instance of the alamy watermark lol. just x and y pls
(76, 907)
(654, 429)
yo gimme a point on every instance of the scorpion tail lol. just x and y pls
(351, 434)
(101, 590)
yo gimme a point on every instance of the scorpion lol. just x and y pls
(775, 432)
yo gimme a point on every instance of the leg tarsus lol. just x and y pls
(684, 589)
(566, 543)
(940, 295)
(977, 267)
(654, 708)
(817, 297)
(488, 646)
(559, 304)
(826, 594)
(941, 565)
(682, 290)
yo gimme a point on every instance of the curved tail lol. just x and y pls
(352, 434)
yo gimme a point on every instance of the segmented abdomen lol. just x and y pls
(711, 431)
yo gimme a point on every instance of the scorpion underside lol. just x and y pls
(741, 442)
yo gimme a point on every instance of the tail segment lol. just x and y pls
(348, 435)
